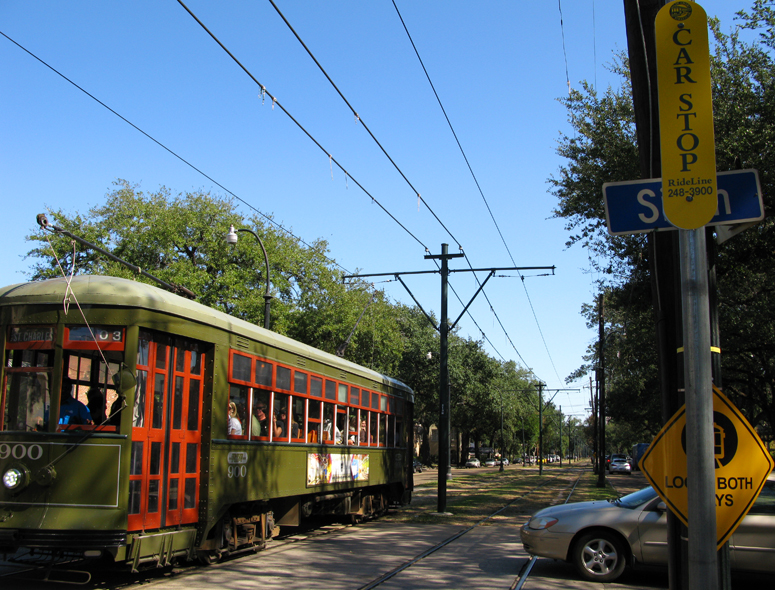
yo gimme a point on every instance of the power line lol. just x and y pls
(275, 102)
(487, 205)
(564, 52)
(179, 157)
(357, 118)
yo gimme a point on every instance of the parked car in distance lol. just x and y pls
(600, 538)
(416, 466)
(609, 458)
(490, 463)
(618, 465)
(505, 461)
(473, 463)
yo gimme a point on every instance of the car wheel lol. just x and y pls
(599, 557)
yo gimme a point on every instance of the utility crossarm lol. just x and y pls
(443, 423)
(491, 274)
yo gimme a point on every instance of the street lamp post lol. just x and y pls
(231, 238)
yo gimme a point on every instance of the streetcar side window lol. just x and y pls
(363, 428)
(283, 378)
(328, 423)
(240, 368)
(330, 390)
(352, 426)
(382, 429)
(342, 397)
(313, 420)
(280, 416)
(299, 382)
(259, 420)
(341, 425)
(296, 418)
(238, 396)
(263, 373)
(316, 386)
(373, 428)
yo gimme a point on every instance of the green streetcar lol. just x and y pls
(204, 433)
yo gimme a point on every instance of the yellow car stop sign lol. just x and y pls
(742, 465)
(687, 142)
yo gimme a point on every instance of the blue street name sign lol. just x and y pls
(636, 206)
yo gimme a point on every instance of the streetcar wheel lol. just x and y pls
(599, 557)
(209, 557)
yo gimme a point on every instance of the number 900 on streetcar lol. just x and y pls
(142, 427)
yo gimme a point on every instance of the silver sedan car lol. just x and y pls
(620, 466)
(600, 538)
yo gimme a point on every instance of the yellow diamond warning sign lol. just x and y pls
(742, 465)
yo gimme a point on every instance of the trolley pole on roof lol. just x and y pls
(444, 328)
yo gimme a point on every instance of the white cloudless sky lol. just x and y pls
(498, 67)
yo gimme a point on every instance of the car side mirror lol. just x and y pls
(662, 507)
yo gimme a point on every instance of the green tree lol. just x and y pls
(602, 149)
(181, 239)
(419, 366)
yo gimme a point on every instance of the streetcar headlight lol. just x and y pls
(16, 478)
(13, 478)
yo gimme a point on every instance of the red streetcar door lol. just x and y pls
(185, 436)
(166, 433)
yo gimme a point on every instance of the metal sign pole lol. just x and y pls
(699, 411)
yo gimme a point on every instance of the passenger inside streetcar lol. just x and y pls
(96, 405)
(235, 426)
(71, 410)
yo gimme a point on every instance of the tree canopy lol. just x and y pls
(603, 148)
(181, 240)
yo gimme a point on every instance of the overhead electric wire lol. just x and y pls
(481, 192)
(299, 125)
(564, 52)
(179, 157)
(360, 120)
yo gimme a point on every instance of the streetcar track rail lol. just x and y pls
(524, 572)
(320, 532)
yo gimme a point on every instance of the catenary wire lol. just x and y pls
(481, 192)
(299, 125)
(179, 157)
(359, 119)
(564, 52)
(247, 204)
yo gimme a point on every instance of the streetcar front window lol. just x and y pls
(27, 402)
(27, 390)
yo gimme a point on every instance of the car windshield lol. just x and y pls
(636, 498)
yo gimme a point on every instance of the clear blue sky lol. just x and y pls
(498, 67)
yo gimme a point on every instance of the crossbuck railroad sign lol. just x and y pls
(742, 465)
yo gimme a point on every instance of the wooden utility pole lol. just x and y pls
(662, 246)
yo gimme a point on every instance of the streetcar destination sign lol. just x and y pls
(687, 143)
(742, 465)
(635, 206)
